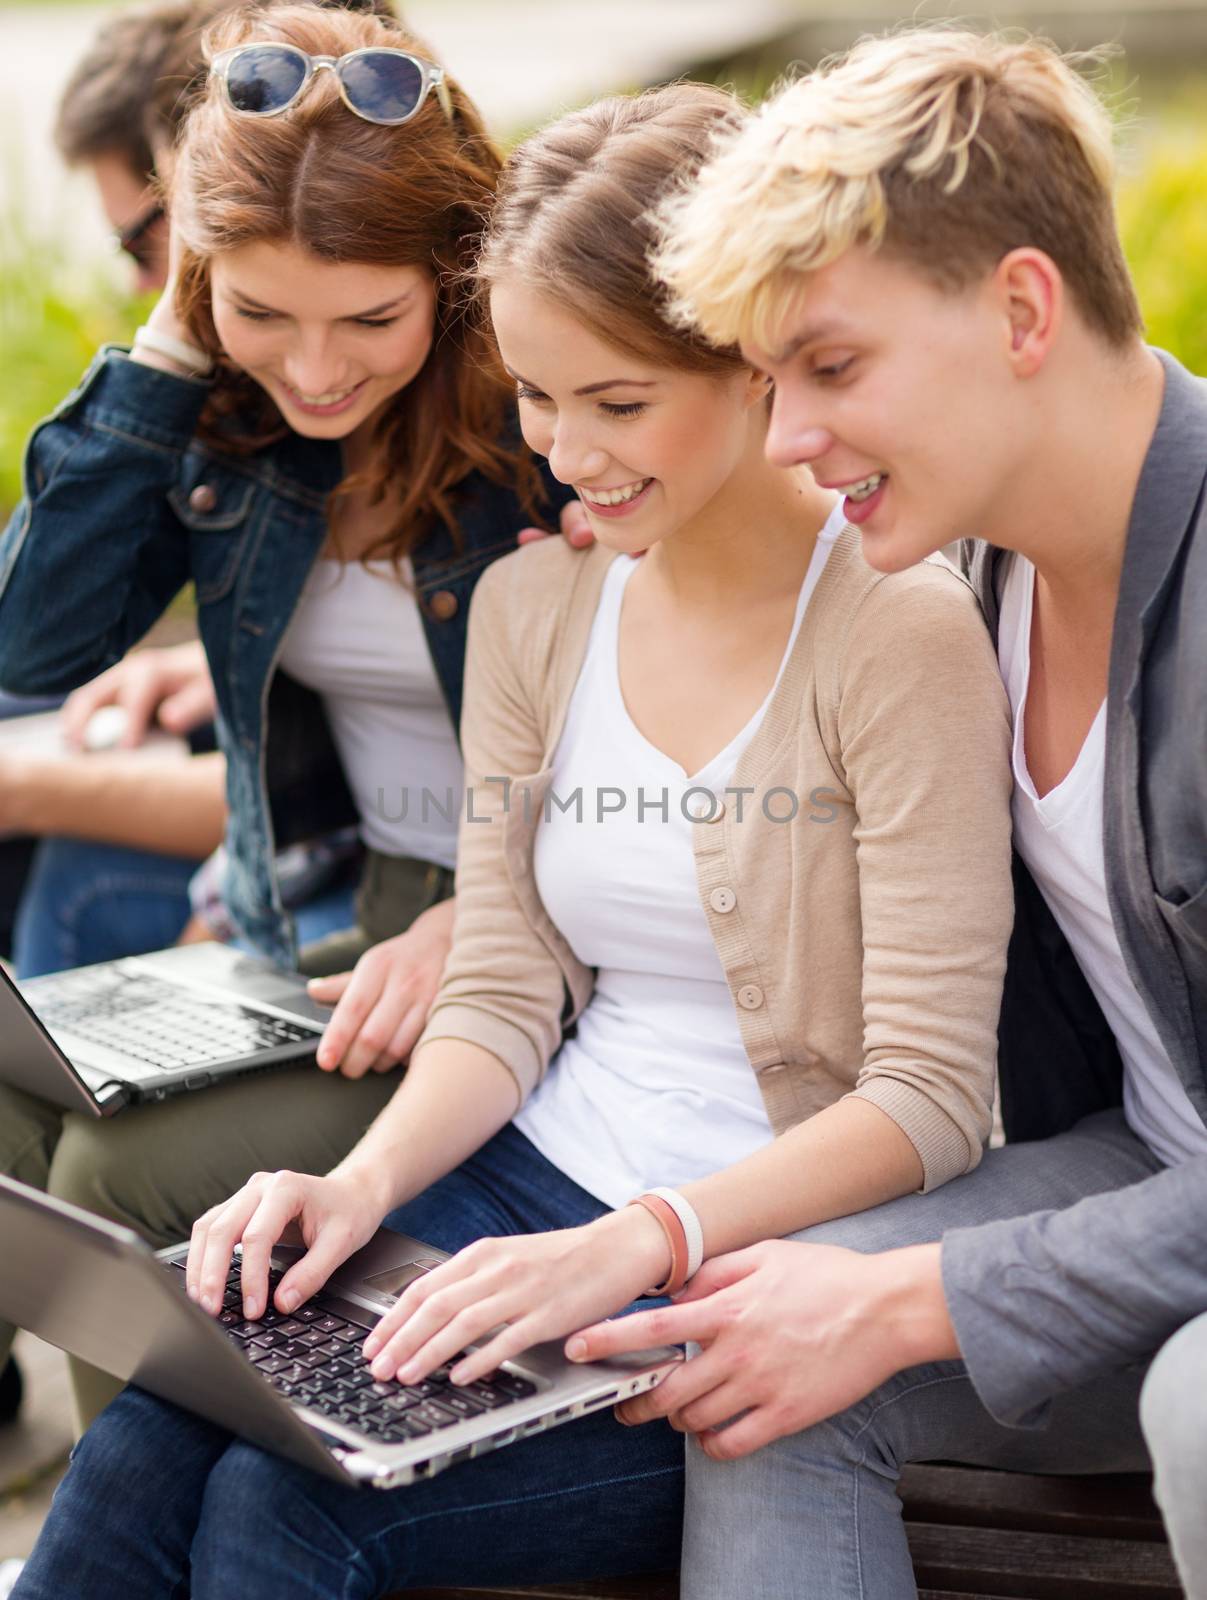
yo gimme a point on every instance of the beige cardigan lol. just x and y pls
(865, 953)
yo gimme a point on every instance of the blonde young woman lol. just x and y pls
(727, 799)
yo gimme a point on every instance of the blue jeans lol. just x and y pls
(158, 1503)
(87, 902)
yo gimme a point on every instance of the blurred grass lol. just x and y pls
(54, 314)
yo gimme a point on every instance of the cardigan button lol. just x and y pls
(706, 808)
(203, 498)
(443, 605)
(750, 997)
(722, 900)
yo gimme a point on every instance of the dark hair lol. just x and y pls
(130, 91)
(347, 190)
(573, 216)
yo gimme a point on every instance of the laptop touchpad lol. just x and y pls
(397, 1278)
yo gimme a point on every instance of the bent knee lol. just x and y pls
(1173, 1402)
(101, 1168)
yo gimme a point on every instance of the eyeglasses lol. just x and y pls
(378, 84)
(132, 239)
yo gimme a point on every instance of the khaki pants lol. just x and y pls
(156, 1168)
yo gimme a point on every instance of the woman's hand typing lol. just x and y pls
(518, 1291)
(382, 1004)
(332, 1216)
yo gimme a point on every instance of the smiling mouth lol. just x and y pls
(333, 397)
(614, 497)
(865, 488)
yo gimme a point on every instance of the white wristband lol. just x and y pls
(686, 1213)
(188, 356)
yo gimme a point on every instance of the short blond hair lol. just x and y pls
(942, 147)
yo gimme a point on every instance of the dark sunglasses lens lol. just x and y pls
(264, 79)
(382, 86)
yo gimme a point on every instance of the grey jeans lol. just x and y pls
(816, 1514)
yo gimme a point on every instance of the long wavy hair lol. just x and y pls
(347, 190)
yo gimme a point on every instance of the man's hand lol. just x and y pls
(575, 526)
(790, 1335)
(384, 1001)
(170, 686)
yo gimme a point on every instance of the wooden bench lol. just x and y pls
(978, 1536)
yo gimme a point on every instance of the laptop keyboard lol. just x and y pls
(313, 1357)
(157, 1023)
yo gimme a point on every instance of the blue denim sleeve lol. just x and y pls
(1044, 1303)
(92, 553)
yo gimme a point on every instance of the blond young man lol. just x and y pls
(917, 243)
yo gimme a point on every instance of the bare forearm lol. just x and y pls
(165, 803)
(455, 1097)
(843, 1160)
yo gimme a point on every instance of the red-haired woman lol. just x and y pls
(312, 433)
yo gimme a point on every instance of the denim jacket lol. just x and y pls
(123, 505)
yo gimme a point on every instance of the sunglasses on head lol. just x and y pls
(378, 84)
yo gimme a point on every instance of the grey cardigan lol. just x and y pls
(1123, 1269)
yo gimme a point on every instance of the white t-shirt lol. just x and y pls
(1060, 839)
(656, 1087)
(356, 638)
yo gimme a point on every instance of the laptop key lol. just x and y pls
(267, 1339)
(306, 1314)
(463, 1404)
(398, 1403)
(271, 1365)
(313, 1338)
(403, 1430)
(433, 1413)
(518, 1388)
(329, 1324)
(488, 1396)
(248, 1330)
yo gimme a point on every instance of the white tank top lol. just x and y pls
(357, 639)
(655, 1087)
(1060, 839)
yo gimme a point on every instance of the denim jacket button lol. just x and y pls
(443, 605)
(203, 498)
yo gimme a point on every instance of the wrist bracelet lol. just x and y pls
(668, 1220)
(686, 1213)
(194, 361)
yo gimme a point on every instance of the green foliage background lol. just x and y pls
(53, 316)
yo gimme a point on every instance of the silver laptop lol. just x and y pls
(295, 1385)
(99, 1038)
